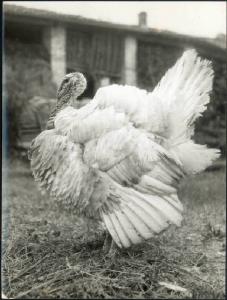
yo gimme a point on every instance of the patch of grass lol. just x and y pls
(49, 254)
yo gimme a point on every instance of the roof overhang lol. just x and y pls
(24, 15)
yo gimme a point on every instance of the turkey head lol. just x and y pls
(71, 87)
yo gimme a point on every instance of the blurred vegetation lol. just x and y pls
(28, 74)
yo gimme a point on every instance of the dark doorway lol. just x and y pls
(31, 34)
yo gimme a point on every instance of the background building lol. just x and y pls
(43, 46)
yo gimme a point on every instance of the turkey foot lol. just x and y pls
(114, 250)
(109, 246)
(107, 242)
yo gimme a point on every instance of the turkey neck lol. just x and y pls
(61, 103)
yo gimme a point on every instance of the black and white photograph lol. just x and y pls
(113, 150)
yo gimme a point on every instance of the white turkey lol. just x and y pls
(119, 159)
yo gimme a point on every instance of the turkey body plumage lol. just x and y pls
(120, 159)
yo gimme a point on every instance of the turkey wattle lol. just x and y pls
(120, 158)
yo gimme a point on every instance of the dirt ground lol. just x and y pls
(47, 252)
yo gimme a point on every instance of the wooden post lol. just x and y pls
(58, 53)
(130, 60)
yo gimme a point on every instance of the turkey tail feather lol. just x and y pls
(184, 93)
(195, 157)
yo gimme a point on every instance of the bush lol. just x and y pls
(28, 74)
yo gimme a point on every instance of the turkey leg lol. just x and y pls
(109, 246)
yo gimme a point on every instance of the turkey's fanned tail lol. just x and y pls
(183, 94)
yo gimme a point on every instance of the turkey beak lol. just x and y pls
(74, 85)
